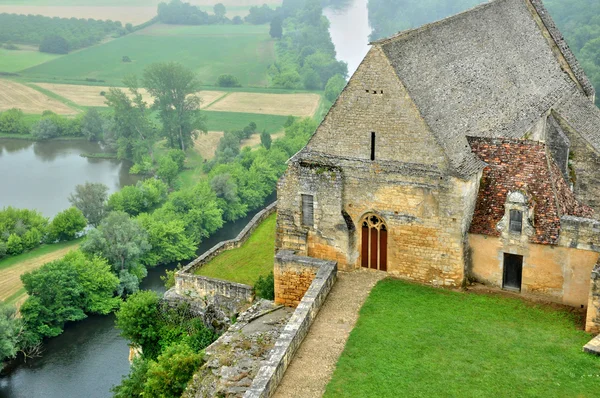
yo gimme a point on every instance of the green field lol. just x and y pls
(15, 60)
(247, 263)
(418, 341)
(245, 51)
(231, 121)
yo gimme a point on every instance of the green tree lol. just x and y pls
(169, 374)
(45, 129)
(276, 29)
(119, 239)
(10, 329)
(220, 11)
(138, 320)
(92, 125)
(54, 44)
(12, 121)
(266, 140)
(168, 239)
(90, 198)
(14, 245)
(174, 89)
(129, 199)
(132, 385)
(67, 224)
(167, 169)
(334, 87)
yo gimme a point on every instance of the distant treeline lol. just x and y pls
(179, 13)
(73, 33)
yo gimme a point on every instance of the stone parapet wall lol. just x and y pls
(293, 276)
(270, 374)
(580, 233)
(229, 295)
(593, 314)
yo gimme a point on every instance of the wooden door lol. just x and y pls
(513, 272)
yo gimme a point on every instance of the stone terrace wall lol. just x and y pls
(293, 277)
(270, 374)
(231, 295)
(593, 313)
(580, 233)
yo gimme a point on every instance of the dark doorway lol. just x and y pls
(513, 272)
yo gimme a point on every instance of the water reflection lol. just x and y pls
(41, 175)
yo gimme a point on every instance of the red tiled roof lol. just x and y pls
(522, 165)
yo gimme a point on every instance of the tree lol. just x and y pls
(54, 44)
(334, 87)
(132, 385)
(169, 374)
(12, 121)
(167, 169)
(67, 224)
(119, 239)
(173, 87)
(138, 320)
(90, 198)
(220, 11)
(10, 328)
(276, 29)
(92, 125)
(14, 245)
(45, 129)
(168, 239)
(265, 139)
(237, 20)
(228, 81)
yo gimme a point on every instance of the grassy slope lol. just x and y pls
(417, 341)
(37, 252)
(245, 51)
(247, 263)
(13, 61)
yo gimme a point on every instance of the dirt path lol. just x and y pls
(10, 278)
(314, 363)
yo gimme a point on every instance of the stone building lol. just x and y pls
(446, 141)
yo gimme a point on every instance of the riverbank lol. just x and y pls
(29, 137)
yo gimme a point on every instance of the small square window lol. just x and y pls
(308, 213)
(516, 221)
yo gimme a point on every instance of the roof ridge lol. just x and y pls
(406, 32)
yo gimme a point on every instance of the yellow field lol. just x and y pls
(269, 104)
(15, 95)
(90, 95)
(10, 278)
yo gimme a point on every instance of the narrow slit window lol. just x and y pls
(372, 146)
(308, 213)
(516, 221)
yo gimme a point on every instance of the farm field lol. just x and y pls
(15, 60)
(245, 51)
(16, 95)
(303, 105)
(90, 95)
(206, 144)
(11, 269)
(230, 121)
(135, 15)
(246, 263)
(418, 341)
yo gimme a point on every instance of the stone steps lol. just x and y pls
(593, 347)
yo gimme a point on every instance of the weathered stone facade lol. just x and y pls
(593, 317)
(397, 171)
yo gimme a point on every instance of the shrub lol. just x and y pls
(228, 81)
(14, 245)
(265, 287)
(169, 375)
(45, 129)
(126, 59)
(12, 121)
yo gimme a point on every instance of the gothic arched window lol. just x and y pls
(374, 243)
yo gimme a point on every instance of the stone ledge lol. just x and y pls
(270, 374)
(593, 347)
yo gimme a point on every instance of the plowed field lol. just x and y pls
(16, 95)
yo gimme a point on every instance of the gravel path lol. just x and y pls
(314, 362)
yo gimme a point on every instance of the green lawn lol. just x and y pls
(417, 341)
(245, 51)
(230, 121)
(247, 263)
(15, 60)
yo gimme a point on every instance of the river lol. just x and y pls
(41, 175)
(90, 356)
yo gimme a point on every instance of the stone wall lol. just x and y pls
(580, 233)
(426, 212)
(230, 296)
(593, 315)
(559, 274)
(270, 374)
(293, 277)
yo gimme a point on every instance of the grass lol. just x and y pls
(245, 51)
(246, 263)
(15, 60)
(417, 341)
(37, 252)
(230, 121)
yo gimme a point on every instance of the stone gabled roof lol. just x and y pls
(582, 116)
(487, 72)
(519, 165)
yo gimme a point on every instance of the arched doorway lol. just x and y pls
(374, 243)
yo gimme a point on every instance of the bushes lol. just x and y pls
(12, 121)
(67, 224)
(20, 230)
(228, 81)
(265, 287)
